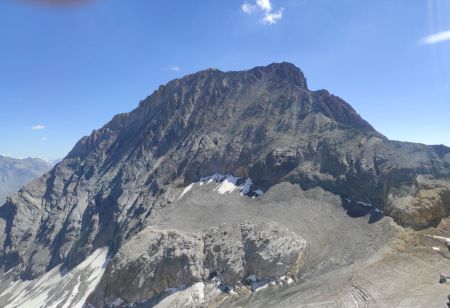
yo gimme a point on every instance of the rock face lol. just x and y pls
(155, 261)
(422, 203)
(152, 262)
(14, 173)
(263, 123)
(267, 251)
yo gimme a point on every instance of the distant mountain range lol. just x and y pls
(15, 173)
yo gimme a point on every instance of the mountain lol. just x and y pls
(14, 173)
(247, 161)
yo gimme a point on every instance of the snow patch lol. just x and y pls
(245, 189)
(445, 239)
(188, 188)
(226, 184)
(258, 284)
(436, 248)
(217, 281)
(58, 288)
(259, 192)
(117, 302)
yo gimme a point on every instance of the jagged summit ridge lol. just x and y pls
(284, 72)
(280, 72)
(276, 90)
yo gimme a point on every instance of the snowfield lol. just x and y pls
(59, 288)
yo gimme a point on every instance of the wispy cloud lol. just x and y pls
(446, 86)
(270, 16)
(436, 38)
(44, 138)
(38, 127)
(175, 68)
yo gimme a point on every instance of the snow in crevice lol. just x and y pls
(188, 188)
(227, 184)
(442, 238)
(59, 288)
(117, 302)
(220, 285)
(246, 187)
(258, 284)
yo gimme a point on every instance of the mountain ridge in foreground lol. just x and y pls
(248, 132)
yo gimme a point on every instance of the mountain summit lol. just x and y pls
(263, 124)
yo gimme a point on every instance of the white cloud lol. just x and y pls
(175, 68)
(436, 38)
(446, 86)
(272, 18)
(38, 127)
(248, 8)
(44, 138)
(265, 7)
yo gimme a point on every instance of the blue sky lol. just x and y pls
(67, 69)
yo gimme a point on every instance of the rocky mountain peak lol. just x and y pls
(211, 97)
(283, 72)
(263, 124)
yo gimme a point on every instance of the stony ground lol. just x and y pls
(350, 262)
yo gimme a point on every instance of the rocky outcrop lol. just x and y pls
(152, 262)
(267, 251)
(157, 261)
(264, 124)
(421, 203)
